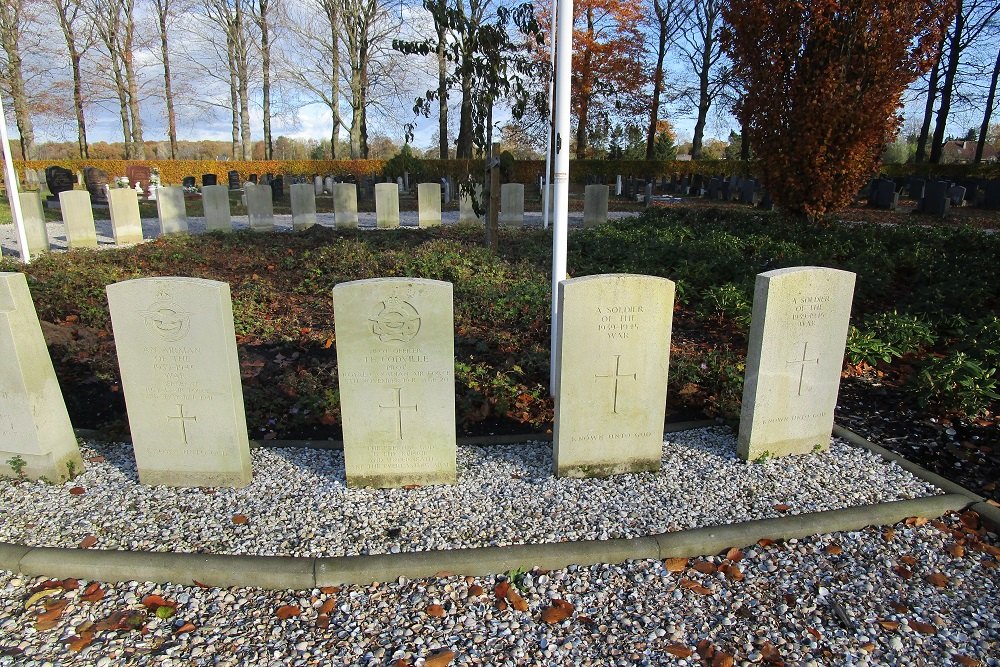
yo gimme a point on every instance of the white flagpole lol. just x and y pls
(10, 177)
(547, 191)
(560, 218)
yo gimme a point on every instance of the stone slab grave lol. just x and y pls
(345, 205)
(126, 224)
(595, 205)
(33, 215)
(611, 388)
(36, 436)
(171, 210)
(234, 179)
(396, 361)
(386, 205)
(794, 358)
(512, 204)
(303, 199)
(429, 204)
(215, 203)
(78, 217)
(260, 207)
(180, 374)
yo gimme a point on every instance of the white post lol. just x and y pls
(546, 193)
(560, 216)
(12, 193)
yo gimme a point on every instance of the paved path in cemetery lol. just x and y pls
(282, 223)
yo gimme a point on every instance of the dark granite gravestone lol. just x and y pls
(936, 200)
(252, 178)
(268, 177)
(884, 195)
(972, 190)
(648, 194)
(188, 182)
(766, 203)
(991, 200)
(96, 181)
(748, 190)
(58, 180)
(915, 190)
(956, 194)
(209, 179)
(685, 186)
(714, 188)
(234, 180)
(277, 187)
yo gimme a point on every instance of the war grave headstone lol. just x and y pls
(386, 205)
(78, 217)
(936, 200)
(260, 208)
(611, 387)
(171, 210)
(234, 180)
(33, 215)
(428, 204)
(209, 179)
(126, 224)
(595, 205)
(512, 204)
(303, 198)
(345, 205)
(215, 202)
(177, 353)
(396, 359)
(58, 179)
(794, 358)
(34, 425)
(466, 211)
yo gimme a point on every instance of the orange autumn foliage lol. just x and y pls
(823, 81)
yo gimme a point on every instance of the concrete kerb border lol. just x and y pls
(297, 573)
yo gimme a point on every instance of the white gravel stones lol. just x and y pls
(298, 504)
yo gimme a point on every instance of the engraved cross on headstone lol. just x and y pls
(617, 377)
(399, 407)
(184, 419)
(802, 364)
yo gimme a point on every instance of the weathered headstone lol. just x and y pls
(318, 185)
(34, 223)
(345, 205)
(181, 378)
(277, 187)
(614, 353)
(466, 212)
(126, 225)
(328, 184)
(78, 217)
(447, 189)
(260, 208)
(512, 204)
(915, 188)
(386, 205)
(36, 436)
(209, 179)
(395, 358)
(171, 210)
(428, 204)
(58, 179)
(748, 191)
(595, 205)
(795, 355)
(252, 178)
(957, 195)
(618, 185)
(215, 202)
(234, 180)
(303, 196)
(30, 179)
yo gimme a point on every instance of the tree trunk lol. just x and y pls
(234, 96)
(442, 35)
(162, 9)
(985, 127)
(66, 23)
(586, 86)
(463, 150)
(21, 107)
(661, 52)
(925, 127)
(139, 146)
(357, 116)
(334, 17)
(954, 53)
(704, 100)
(122, 90)
(265, 55)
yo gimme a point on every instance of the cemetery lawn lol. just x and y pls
(920, 374)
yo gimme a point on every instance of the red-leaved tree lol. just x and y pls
(823, 81)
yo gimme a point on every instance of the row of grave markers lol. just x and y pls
(395, 353)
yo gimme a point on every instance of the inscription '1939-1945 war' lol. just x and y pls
(618, 321)
(807, 311)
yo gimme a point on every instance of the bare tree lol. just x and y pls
(228, 17)
(988, 110)
(704, 52)
(114, 23)
(163, 16)
(12, 24)
(261, 16)
(667, 20)
(77, 34)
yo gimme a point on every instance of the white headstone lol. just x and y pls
(303, 198)
(429, 204)
(181, 378)
(466, 212)
(318, 184)
(618, 185)
(396, 360)
(614, 355)
(123, 206)
(595, 205)
(171, 210)
(512, 204)
(34, 222)
(260, 208)
(345, 204)
(78, 217)
(399, 185)
(218, 214)
(36, 436)
(386, 205)
(794, 359)
(328, 184)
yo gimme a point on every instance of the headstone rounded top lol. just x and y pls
(775, 273)
(621, 277)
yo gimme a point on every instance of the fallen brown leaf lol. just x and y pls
(186, 628)
(240, 519)
(516, 600)
(966, 661)
(905, 573)
(732, 572)
(923, 628)
(705, 649)
(439, 659)
(722, 659)
(956, 550)
(889, 535)
(675, 564)
(909, 561)
(815, 633)
(938, 579)
(322, 621)
(87, 542)
(502, 605)
(782, 507)
(891, 626)
(154, 602)
(93, 593)
(43, 624)
(735, 555)
(330, 590)
(287, 611)
(970, 519)
(500, 590)
(77, 643)
(705, 567)
(435, 610)
(78, 491)
(679, 651)
(558, 611)
(771, 655)
(475, 590)
(834, 549)
(916, 521)
(899, 607)
(765, 542)
(69, 584)
(328, 606)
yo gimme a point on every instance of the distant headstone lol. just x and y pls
(96, 182)
(30, 178)
(957, 195)
(512, 204)
(595, 205)
(303, 196)
(181, 378)
(991, 198)
(234, 180)
(78, 217)
(748, 191)
(126, 225)
(647, 198)
(795, 355)
(318, 185)
(278, 187)
(395, 358)
(345, 205)
(139, 173)
(428, 204)
(209, 179)
(915, 189)
(215, 202)
(884, 195)
(171, 210)
(448, 188)
(188, 182)
(58, 179)
(466, 212)
(400, 186)
(614, 351)
(328, 184)
(936, 200)
(252, 178)
(618, 185)
(34, 424)
(260, 208)
(34, 225)
(386, 205)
